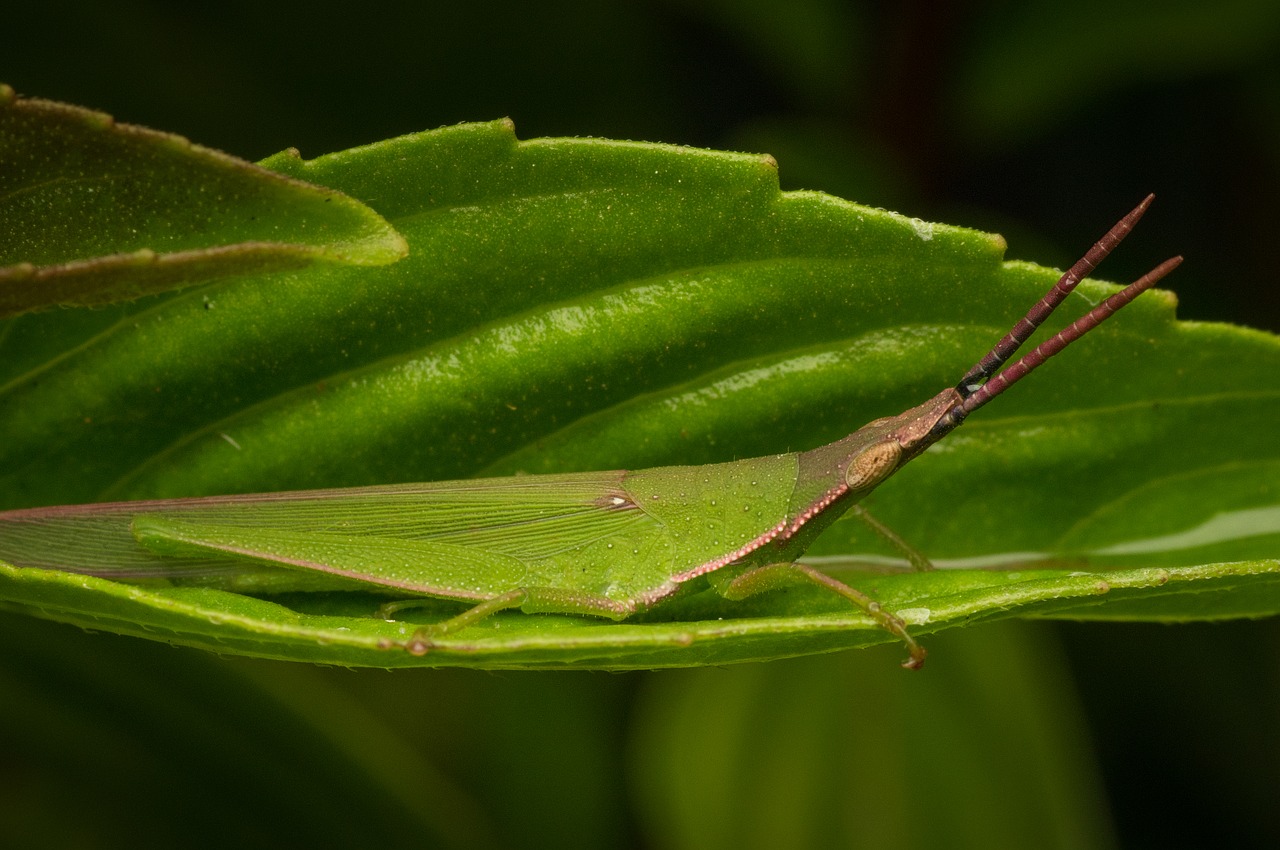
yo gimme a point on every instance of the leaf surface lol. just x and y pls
(92, 211)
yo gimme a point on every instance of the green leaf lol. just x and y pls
(92, 211)
(585, 304)
(343, 629)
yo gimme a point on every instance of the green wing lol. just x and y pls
(525, 518)
(623, 536)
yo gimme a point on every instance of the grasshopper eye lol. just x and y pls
(873, 465)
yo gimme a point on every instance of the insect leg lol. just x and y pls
(529, 600)
(771, 576)
(917, 558)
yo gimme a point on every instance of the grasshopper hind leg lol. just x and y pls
(772, 576)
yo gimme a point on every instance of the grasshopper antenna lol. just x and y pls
(1057, 342)
(1022, 331)
(1042, 352)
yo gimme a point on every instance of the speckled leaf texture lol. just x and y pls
(577, 304)
(92, 211)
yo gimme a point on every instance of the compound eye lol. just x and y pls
(873, 465)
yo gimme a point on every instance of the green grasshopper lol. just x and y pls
(605, 544)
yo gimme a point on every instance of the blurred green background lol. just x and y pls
(1040, 120)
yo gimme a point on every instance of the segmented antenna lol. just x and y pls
(1026, 326)
(1042, 352)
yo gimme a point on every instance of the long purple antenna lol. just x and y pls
(1065, 337)
(1022, 331)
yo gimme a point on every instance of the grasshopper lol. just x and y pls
(604, 544)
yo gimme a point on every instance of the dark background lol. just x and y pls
(1043, 121)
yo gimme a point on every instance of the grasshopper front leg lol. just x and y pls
(918, 561)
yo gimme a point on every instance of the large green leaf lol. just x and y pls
(578, 304)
